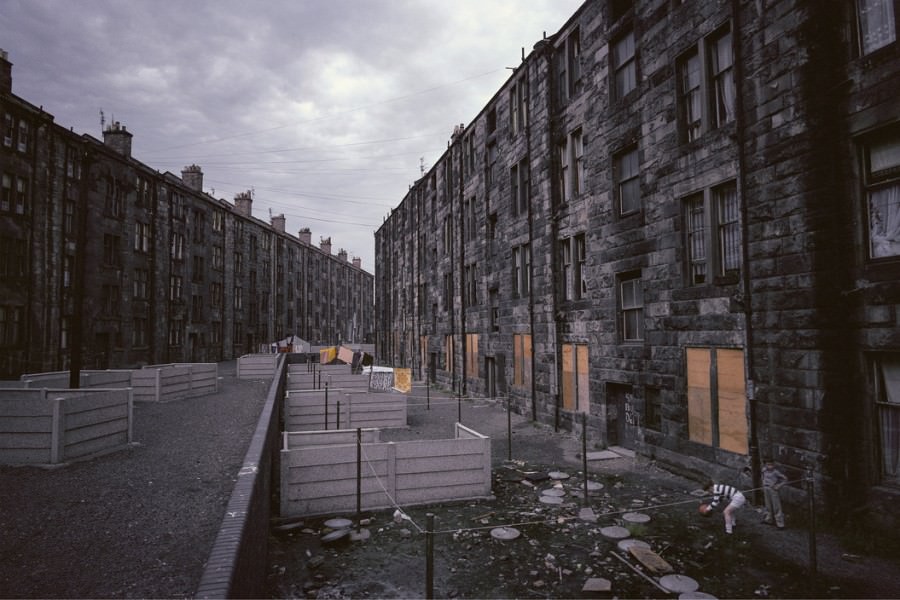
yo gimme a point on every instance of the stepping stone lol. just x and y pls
(558, 475)
(505, 533)
(338, 523)
(678, 584)
(336, 536)
(597, 584)
(625, 544)
(634, 517)
(615, 532)
(593, 486)
(551, 499)
(696, 596)
(554, 492)
(587, 514)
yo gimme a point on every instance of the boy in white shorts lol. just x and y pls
(735, 498)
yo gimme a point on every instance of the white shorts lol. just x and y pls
(737, 500)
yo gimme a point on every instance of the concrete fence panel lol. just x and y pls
(256, 366)
(306, 410)
(55, 426)
(322, 479)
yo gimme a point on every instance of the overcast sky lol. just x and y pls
(324, 108)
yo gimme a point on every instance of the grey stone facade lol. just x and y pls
(143, 267)
(720, 284)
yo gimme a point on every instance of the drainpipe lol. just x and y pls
(462, 269)
(740, 126)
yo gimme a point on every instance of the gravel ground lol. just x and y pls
(137, 523)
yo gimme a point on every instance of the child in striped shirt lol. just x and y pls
(735, 498)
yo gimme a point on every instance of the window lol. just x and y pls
(111, 250)
(882, 191)
(718, 227)
(218, 257)
(176, 329)
(690, 98)
(448, 291)
(199, 267)
(197, 308)
(717, 398)
(6, 201)
(491, 165)
(492, 121)
(238, 263)
(11, 325)
(521, 271)
(141, 237)
(8, 129)
(520, 188)
(522, 360)
(23, 136)
(518, 106)
(729, 232)
(624, 65)
(887, 405)
(706, 96)
(631, 302)
(495, 309)
(471, 278)
(13, 259)
(21, 195)
(177, 251)
(580, 287)
(139, 330)
(568, 60)
(200, 226)
(571, 160)
(877, 25)
(141, 280)
(721, 68)
(111, 296)
(575, 381)
(626, 175)
(471, 220)
(218, 223)
(175, 287)
(238, 298)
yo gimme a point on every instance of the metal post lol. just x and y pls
(338, 416)
(508, 429)
(358, 473)
(458, 407)
(584, 454)
(428, 395)
(429, 555)
(326, 407)
(811, 497)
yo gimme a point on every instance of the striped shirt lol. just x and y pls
(721, 491)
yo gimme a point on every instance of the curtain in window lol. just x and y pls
(884, 221)
(876, 24)
(889, 418)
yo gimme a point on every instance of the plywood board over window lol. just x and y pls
(575, 386)
(717, 398)
(522, 360)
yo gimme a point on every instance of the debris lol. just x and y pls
(315, 562)
(650, 559)
(484, 516)
(338, 523)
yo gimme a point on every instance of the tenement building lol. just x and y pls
(677, 224)
(106, 262)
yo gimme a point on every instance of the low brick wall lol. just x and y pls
(321, 479)
(50, 426)
(313, 410)
(238, 562)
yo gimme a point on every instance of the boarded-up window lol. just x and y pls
(717, 398)
(471, 355)
(575, 387)
(522, 360)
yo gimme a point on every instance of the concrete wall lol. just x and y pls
(306, 410)
(162, 383)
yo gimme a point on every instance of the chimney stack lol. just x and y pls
(357, 262)
(192, 177)
(243, 203)
(305, 236)
(278, 223)
(342, 255)
(116, 137)
(325, 245)
(5, 73)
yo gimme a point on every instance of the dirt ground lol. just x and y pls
(557, 553)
